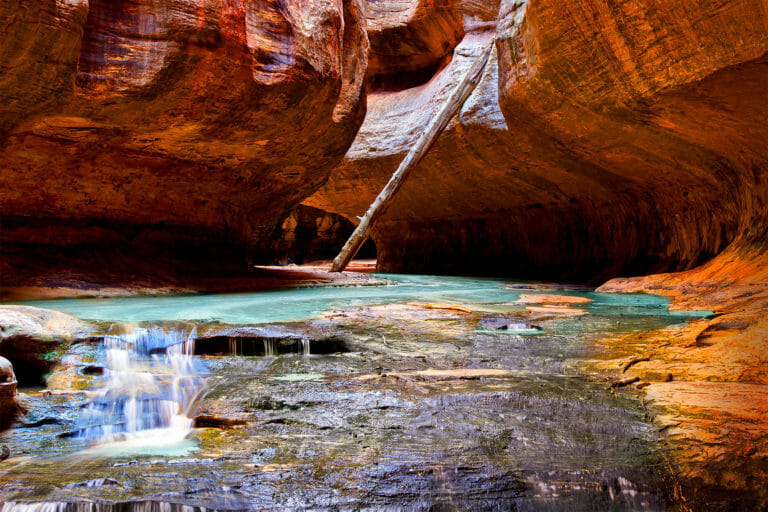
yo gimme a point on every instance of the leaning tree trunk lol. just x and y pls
(414, 156)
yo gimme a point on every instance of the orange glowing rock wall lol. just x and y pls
(154, 121)
(605, 138)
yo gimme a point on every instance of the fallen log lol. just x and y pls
(633, 362)
(448, 307)
(623, 382)
(414, 156)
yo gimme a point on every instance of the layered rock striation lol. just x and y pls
(181, 128)
(605, 138)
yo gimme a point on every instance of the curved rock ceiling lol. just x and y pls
(606, 138)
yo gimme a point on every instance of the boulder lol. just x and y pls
(32, 338)
(8, 406)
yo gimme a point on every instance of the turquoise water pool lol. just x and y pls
(296, 304)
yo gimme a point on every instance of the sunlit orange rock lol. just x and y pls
(605, 138)
(186, 123)
(713, 411)
(651, 113)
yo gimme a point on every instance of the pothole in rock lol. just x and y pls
(211, 421)
(92, 369)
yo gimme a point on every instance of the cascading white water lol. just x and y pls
(152, 387)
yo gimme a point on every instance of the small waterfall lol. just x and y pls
(152, 387)
(235, 347)
(305, 346)
(270, 347)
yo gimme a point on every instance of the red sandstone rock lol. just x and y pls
(600, 142)
(605, 138)
(713, 412)
(185, 120)
(410, 39)
(652, 112)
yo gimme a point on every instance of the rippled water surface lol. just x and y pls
(304, 303)
(353, 398)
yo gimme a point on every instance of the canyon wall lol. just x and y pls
(167, 130)
(606, 138)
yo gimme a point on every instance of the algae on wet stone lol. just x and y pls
(34, 339)
(417, 414)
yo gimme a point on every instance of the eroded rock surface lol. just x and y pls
(8, 383)
(32, 337)
(706, 381)
(410, 40)
(418, 412)
(605, 138)
(174, 127)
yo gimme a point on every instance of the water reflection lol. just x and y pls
(423, 409)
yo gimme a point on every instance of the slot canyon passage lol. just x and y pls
(565, 306)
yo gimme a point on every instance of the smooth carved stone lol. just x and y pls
(31, 337)
(641, 48)
(600, 142)
(8, 406)
(7, 383)
(410, 39)
(394, 122)
(174, 116)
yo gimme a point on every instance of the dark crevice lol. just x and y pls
(308, 234)
(92, 370)
(263, 345)
(401, 80)
(29, 372)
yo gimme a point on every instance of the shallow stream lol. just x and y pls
(426, 393)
